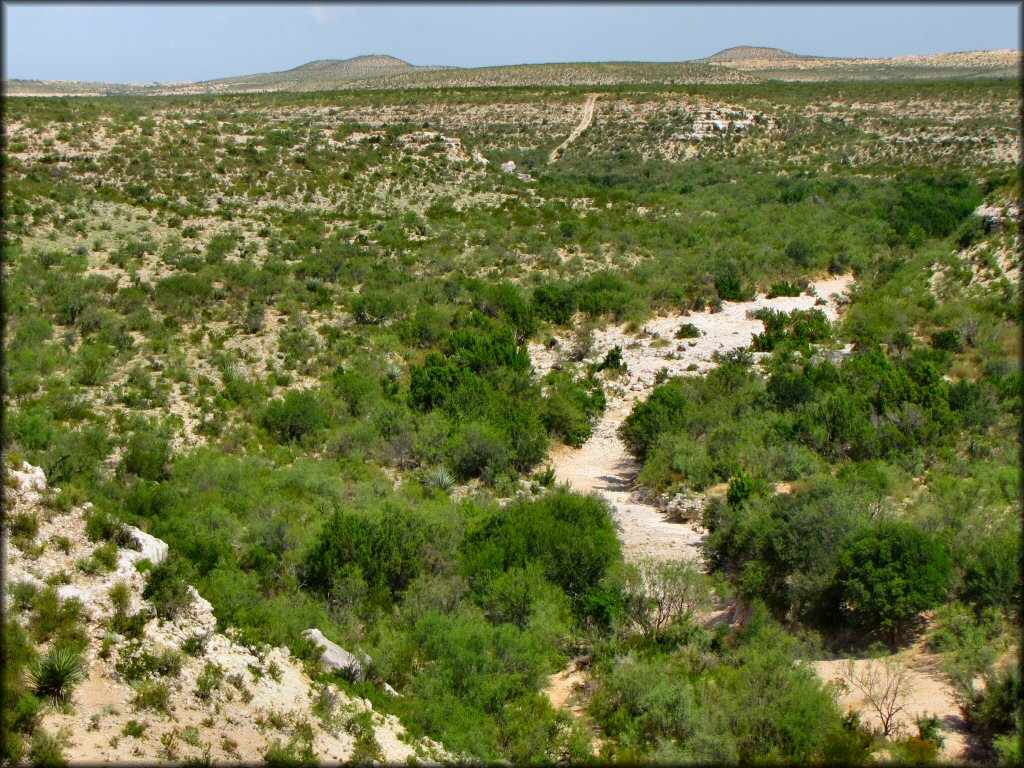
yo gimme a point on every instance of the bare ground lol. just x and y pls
(585, 120)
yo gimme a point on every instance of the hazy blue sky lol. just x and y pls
(147, 42)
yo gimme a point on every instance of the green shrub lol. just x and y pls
(729, 284)
(479, 450)
(147, 455)
(784, 288)
(612, 361)
(135, 663)
(688, 331)
(571, 406)
(100, 525)
(133, 729)
(152, 695)
(665, 410)
(45, 750)
(888, 573)
(167, 588)
(555, 302)
(948, 340)
(298, 414)
(104, 558)
(571, 537)
(55, 619)
(209, 681)
(382, 553)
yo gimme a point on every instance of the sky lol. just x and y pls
(145, 42)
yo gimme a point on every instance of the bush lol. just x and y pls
(571, 537)
(729, 284)
(152, 695)
(376, 307)
(555, 302)
(570, 407)
(300, 413)
(948, 340)
(167, 588)
(612, 361)
(992, 575)
(666, 410)
(888, 573)
(382, 553)
(147, 455)
(56, 619)
(46, 751)
(743, 487)
(479, 450)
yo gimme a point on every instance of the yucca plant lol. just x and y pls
(57, 674)
(442, 480)
(546, 477)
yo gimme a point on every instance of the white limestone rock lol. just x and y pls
(336, 658)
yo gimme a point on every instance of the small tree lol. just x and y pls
(888, 573)
(665, 592)
(885, 684)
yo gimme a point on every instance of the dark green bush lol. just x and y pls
(147, 455)
(666, 409)
(167, 587)
(571, 537)
(888, 573)
(555, 302)
(299, 413)
(383, 553)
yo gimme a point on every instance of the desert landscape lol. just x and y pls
(619, 411)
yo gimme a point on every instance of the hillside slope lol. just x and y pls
(959, 65)
(564, 74)
(324, 73)
(167, 687)
(751, 52)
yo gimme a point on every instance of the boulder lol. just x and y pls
(150, 547)
(509, 167)
(336, 658)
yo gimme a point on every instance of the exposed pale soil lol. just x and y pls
(585, 120)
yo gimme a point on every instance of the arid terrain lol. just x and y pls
(641, 411)
(742, 64)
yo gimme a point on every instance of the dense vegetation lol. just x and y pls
(288, 335)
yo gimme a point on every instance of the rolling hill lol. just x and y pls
(740, 64)
(750, 52)
(317, 75)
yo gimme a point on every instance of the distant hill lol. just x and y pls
(787, 66)
(317, 75)
(741, 64)
(753, 53)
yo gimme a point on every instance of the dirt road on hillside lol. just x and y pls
(585, 120)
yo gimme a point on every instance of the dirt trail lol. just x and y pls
(585, 120)
(602, 464)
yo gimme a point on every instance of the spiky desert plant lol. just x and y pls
(546, 476)
(442, 480)
(57, 674)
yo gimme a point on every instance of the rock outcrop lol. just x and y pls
(336, 658)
